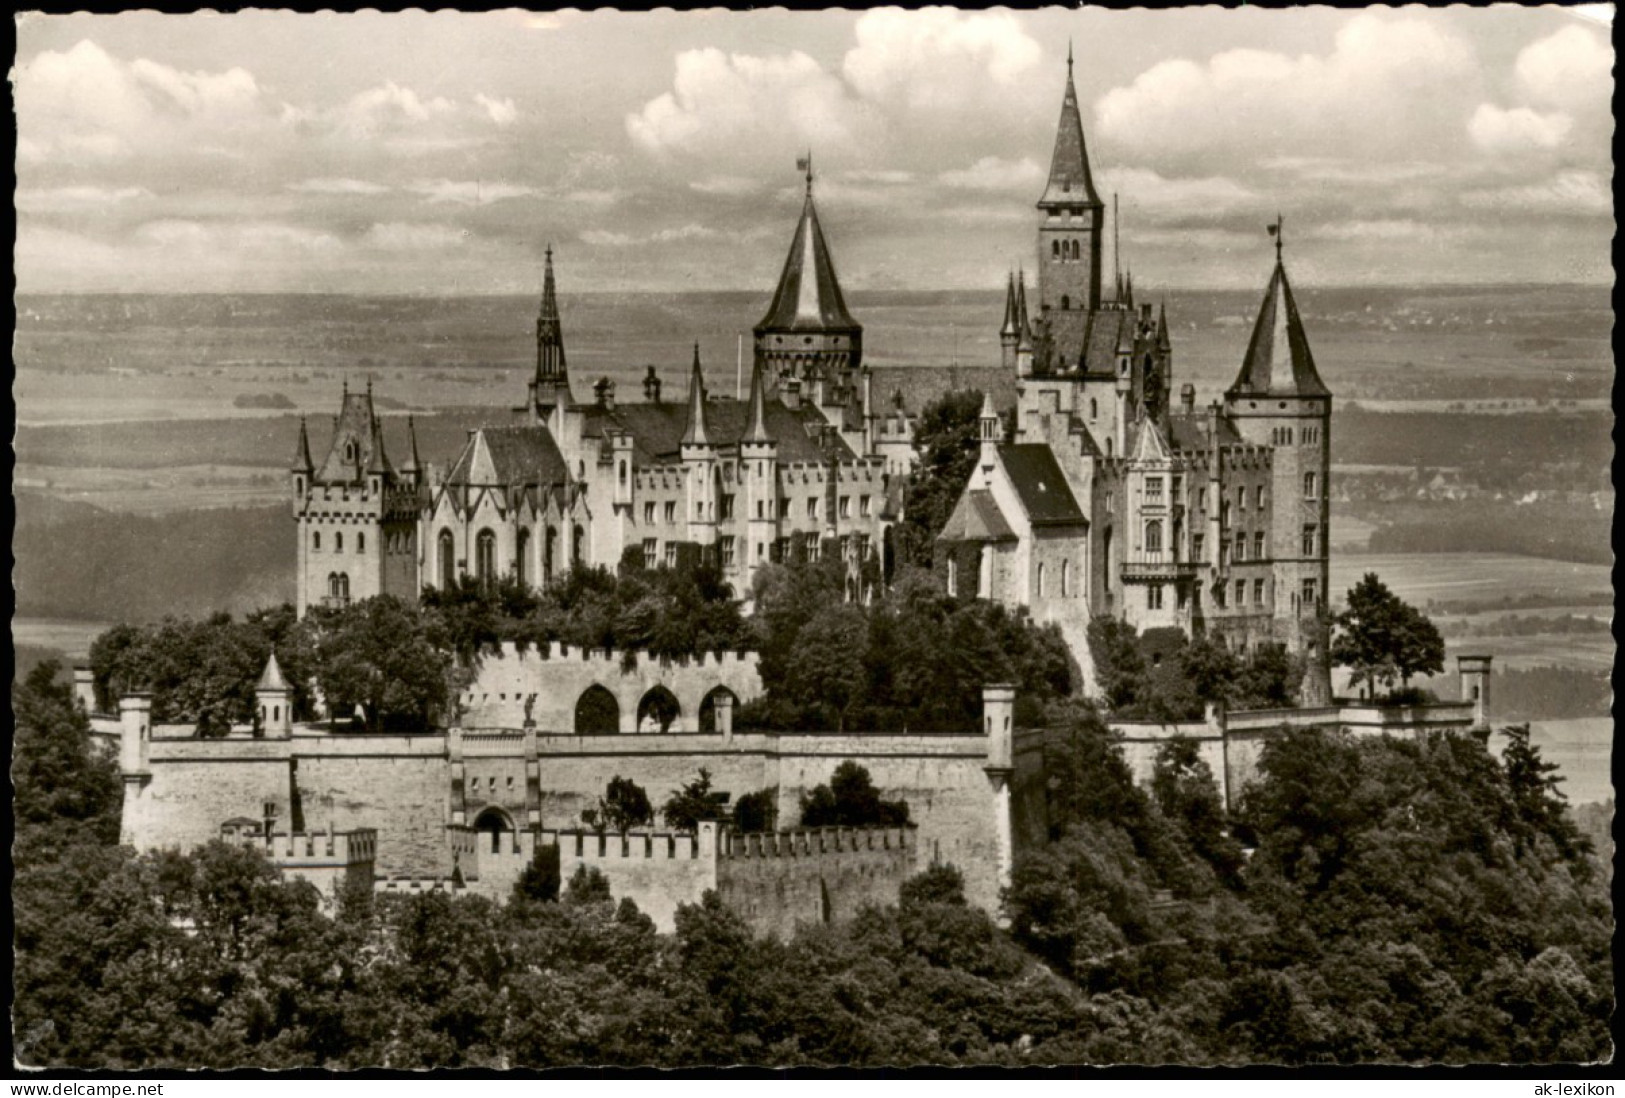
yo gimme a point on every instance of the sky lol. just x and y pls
(440, 153)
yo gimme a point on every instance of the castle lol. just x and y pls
(1108, 500)
(1102, 498)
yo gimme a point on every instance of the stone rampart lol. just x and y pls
(778, 880)
(656, 870)
(327, 860)
(542, 685)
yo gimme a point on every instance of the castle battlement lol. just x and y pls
(589, 847)
(313, 848)
(813, 841)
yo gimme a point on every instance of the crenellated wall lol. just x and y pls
(825, 875)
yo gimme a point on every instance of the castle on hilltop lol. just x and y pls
(1105, 499)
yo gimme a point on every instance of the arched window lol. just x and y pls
(658, 710)
(1055, 249)
(344, 586)
(448, 561)
(485, 556)
(349, 451)
(1153, 536)
(494, 823)
(708, 709)
(1066, 579)
(316, 540)
(521, 562)
(338, 542)
(578, 546)
(597, 713)
(623, 474)
(1094, 411)
(1040, 579)
(361, 543)
(549, 549)
(1066, 302)
(1077, 252)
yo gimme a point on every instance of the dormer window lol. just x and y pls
(349, 451)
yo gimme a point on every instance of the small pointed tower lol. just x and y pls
(1072, 215)
(1278, 400)
(550, 388)
(1024, 329)
(699, 455)
(807, 331)
(1009, 333)
(412, 471)
(273, 702)
(759, 471)
(987, 432)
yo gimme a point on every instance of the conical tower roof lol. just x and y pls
(302, 462)
(414, 464)
(1070, 181)
(756, 411)
(696, 434)
(271, 678)
(809, 295)
(1024, 328)
(1278, 362)
(1009, 328)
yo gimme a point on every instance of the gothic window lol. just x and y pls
(1258, 546)
(578, 546)
(549, 550)
(1040, 579)
(623, 474)
(349, 451)
(485, 556)
(344, 587)
(316, 540)
(521, 562)
(1309, 486)
(361, 543)
(1077, 252)
(1153, 536)
(448, 561)
(338, 542)
(1066, 579)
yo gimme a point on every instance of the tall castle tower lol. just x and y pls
(357, 514)
(807, 333)
(1279, 400)
(1069, 236)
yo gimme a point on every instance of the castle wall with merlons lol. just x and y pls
(397, 785)
(778, 881)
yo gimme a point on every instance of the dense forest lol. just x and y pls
(1370, 900)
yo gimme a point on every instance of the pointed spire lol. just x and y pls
(379, 461)
(1128, 287)
(413, 463)
(271, 678)
(696, 433)
(1163, 341)
(1070, 182)
(1008, 328)
(302, 462)
(809, 296)
(756, 411)
(1024, 328)
(1278, 360)
(552, 373)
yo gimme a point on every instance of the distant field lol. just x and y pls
(1421, 578)
(1583, 751)
(71, 638)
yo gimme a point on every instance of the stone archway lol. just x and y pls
(708, 709)
(492, 824)
(658, 710)
(597, 712)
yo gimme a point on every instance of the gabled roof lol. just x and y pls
(1070, 182)
(1188, 434)
(1040, 485)
(355, 434)
(808, 297)
(510, 456)
(1278, 361)
(976, 517)
(657, 429)
(1149, 444)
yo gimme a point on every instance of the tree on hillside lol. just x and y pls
(828, 668)
(850, 800)
(377, 654)
(686, 807)
(946, 438)
(60, 779)
(623, 806)
(1383, 639)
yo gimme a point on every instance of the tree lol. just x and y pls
(686, 807)
(1383, 638)
(623, 806)
(850, 800)
(377, 654)
(946, 437)
(1533, 783)
(828, 668)
(60, 779)
(756, 811)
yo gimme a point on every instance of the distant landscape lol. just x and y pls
(1471, 441)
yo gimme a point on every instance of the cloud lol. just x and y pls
(607, 238)
(1385, 230)
(1495, 130)
(1328, 169)
(182, 235)
(1388, 84)
(889, 177)
(1148, 194)
(1571, 70)
(1567, 192)
(992, 173)
(938, 59)
(337, 186)
(469, 192)
(76, 198)
(733, 186)
(501, 111)
(396, 236)
(721, 102)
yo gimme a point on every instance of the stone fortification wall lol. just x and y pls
(656, 870)
(1140, 741)
(327, 860)
(189, 787)
(396, 785)
(552, 679)
(779, 880)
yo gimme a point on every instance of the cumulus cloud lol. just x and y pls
(1571, 69)
(398, 236)
(76, 198)
(1388, 83)
(733, 186)
(183, 235)
(468, 192)
(1495, 130)
(992, 173)
(501, 111)
(1158, 198)
(607, 238)
(720, 101)
(938, 58)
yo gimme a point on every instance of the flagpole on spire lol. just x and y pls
(805, 164)
(1069, 58)
(1275, 231)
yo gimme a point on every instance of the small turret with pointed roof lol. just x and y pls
(1164, 343)
(302, 462)
(1008, 328)
(696, 433)
(756, 411)
(414, 464)
(271, 678)
(551, 385)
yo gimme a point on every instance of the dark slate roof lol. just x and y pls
(809, 295)
(1189, 433)
(357, 423)
(976, 517)
(1278, 361)
(1070, 182)
(657, 429)
(1040, 485)
(519, 456)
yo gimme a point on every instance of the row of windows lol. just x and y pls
(338, 541)
(765, 509)
(1065, 250)
(984, 577)
(485, 555)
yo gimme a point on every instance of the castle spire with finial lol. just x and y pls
(552, 381)
(697, 433)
